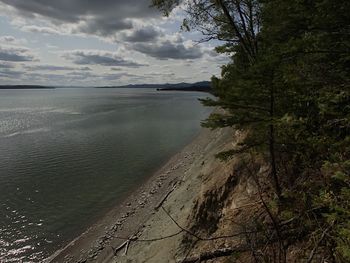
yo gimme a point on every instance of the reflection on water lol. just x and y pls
(68, 155)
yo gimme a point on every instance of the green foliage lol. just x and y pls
(336, 197)
(304, 57)
(165, 5)
(288, 84)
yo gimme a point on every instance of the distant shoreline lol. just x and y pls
(197, 89)
(203, 86)
(8, 87)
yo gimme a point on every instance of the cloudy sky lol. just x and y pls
(98, 42)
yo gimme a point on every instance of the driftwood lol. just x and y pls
(214, 254)
(126, 247)
(120, 247)
(123, 245)
(164, 198)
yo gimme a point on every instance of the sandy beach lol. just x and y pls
(173, 187)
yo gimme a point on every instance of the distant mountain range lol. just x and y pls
(203, 86)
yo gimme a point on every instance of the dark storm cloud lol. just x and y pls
(169, 50)
(15, 54)
(144, 34)
(103, 27)
(82, 57)
(94, 16)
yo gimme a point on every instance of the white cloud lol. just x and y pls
(149, 47)
(41, 29)
(10, 40)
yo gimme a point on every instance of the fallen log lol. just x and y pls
(126, 247)
(120, 247)
(164, 198)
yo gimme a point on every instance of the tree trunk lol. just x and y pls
(272, 144)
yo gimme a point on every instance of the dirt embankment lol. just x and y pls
(194, 204)
(205, 211)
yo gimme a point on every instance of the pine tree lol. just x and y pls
(288, 85)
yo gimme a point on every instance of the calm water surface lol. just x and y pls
(68, 155)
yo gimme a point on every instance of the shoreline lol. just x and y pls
(128, 217)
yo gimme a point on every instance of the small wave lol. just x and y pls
(23, 240)
(3, 243)
(18, 251)
(62, 110)
(26, 132)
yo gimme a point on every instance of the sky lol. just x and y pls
(98, 43)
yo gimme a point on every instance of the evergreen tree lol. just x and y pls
(288, 85)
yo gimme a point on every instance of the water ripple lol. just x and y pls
(68, 156)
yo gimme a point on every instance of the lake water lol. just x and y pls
(68, 155)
